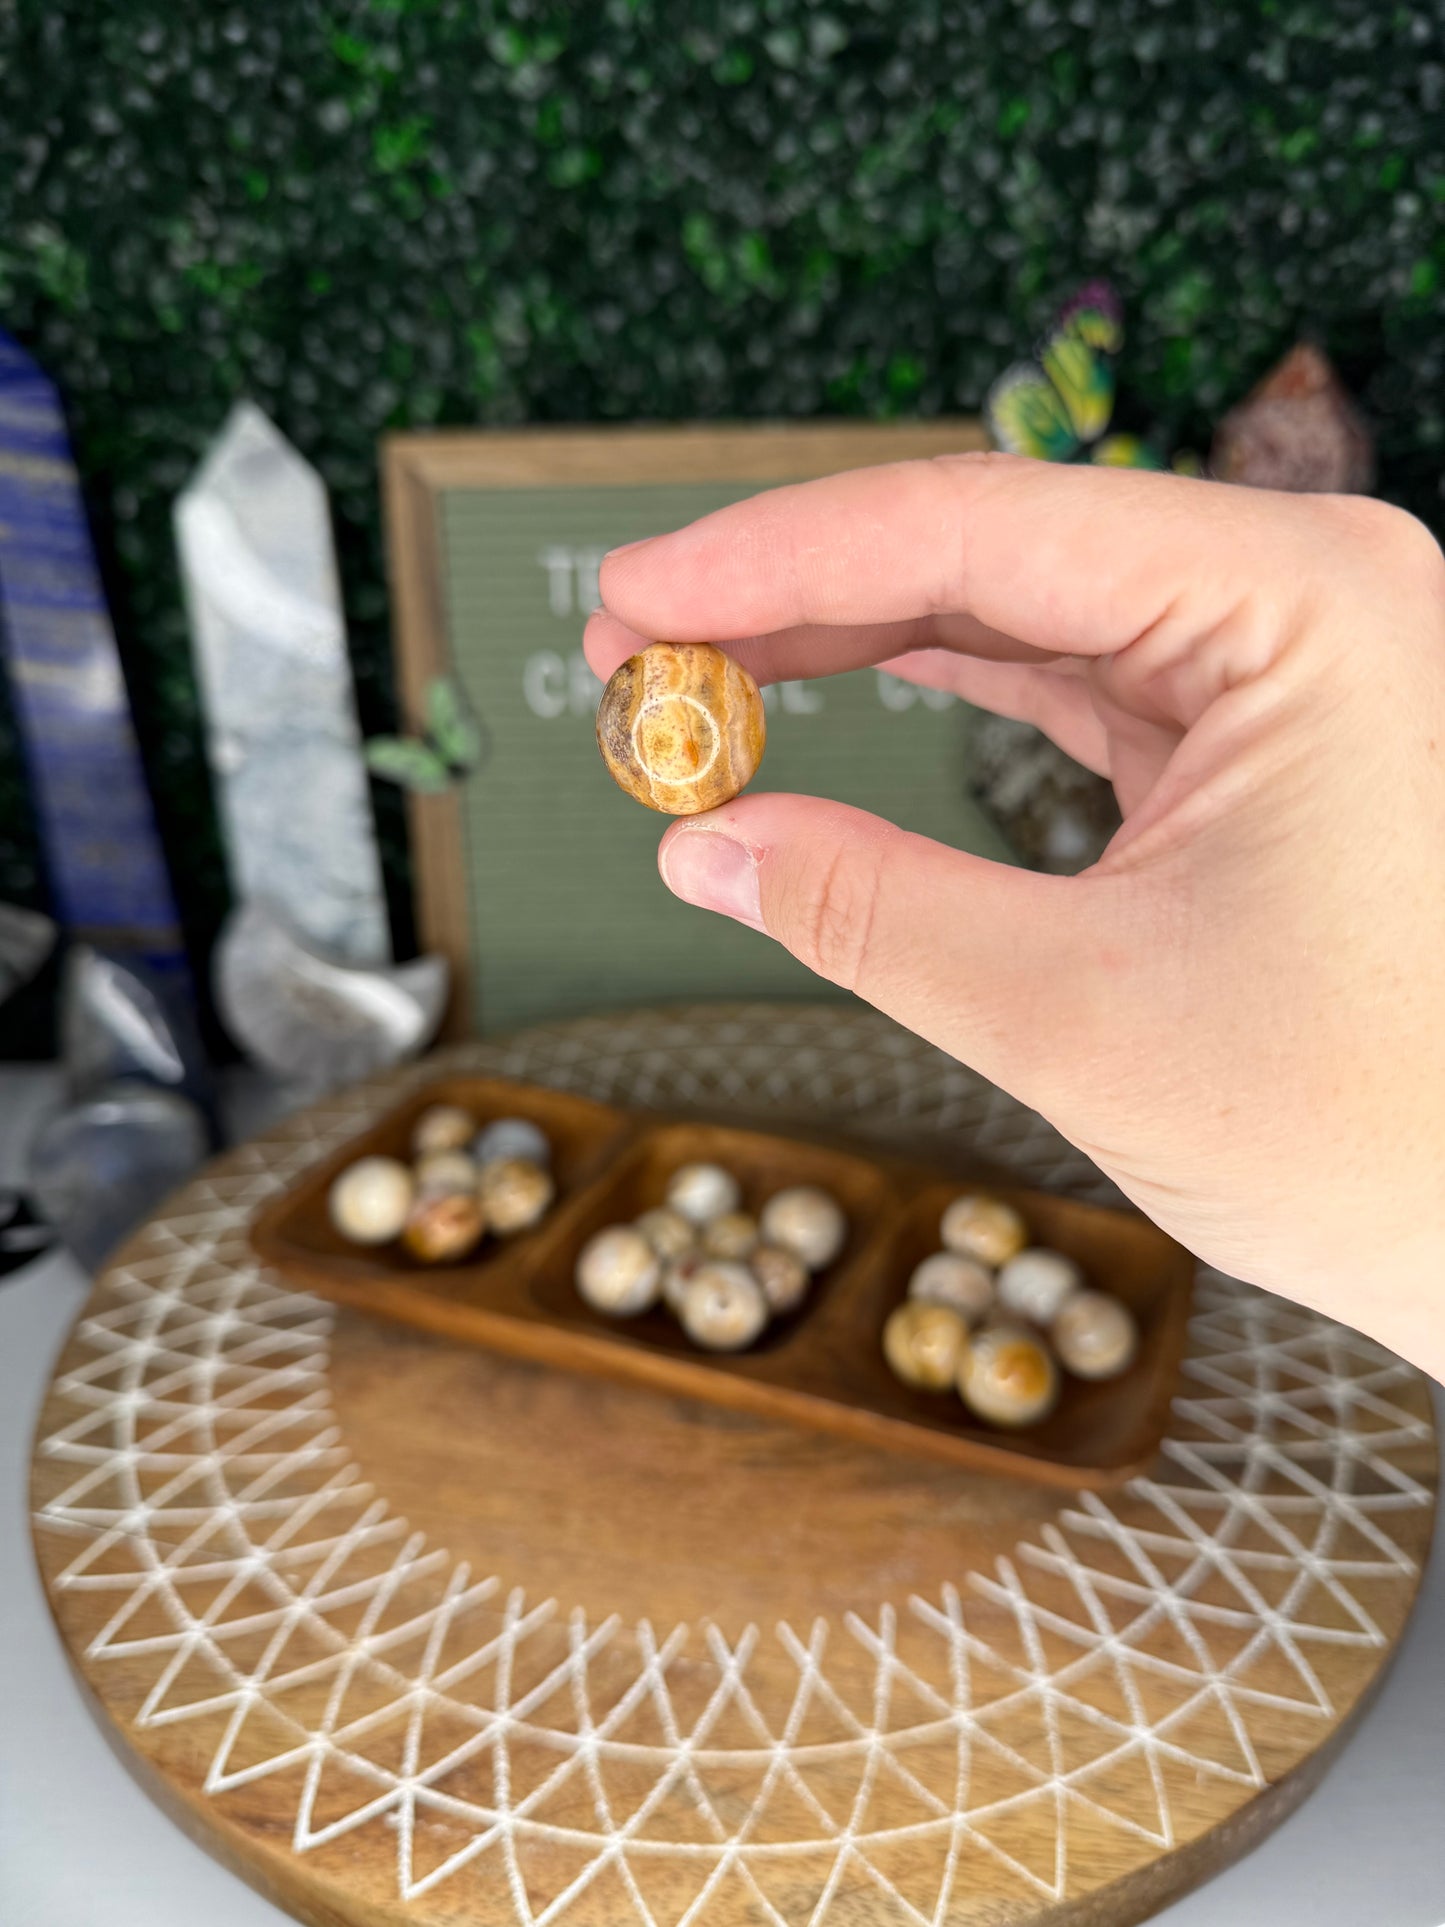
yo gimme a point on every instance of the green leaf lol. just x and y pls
(410, 764)
(458, 740)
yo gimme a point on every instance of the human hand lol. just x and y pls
(1239, 1012)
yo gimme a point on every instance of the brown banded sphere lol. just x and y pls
(442, 1127)
(983, 1228)
(681, 727)
(515, 1194)
(668, 1232)
(733, 1235)
(444, 1227)
(783, 1276)
(445, 1171)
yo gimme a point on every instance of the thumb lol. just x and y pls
(1012, 972)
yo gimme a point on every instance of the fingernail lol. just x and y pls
(625, 548)
(714, 872)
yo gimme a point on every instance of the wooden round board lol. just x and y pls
(412, 1634)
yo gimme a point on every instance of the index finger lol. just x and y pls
(1083, 560)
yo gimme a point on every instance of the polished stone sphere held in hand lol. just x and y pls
(681, 727)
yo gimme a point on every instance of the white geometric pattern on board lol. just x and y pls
(315, 1641)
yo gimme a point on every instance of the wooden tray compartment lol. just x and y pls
(296, 1235)
(762, 1165)
(823, 1367)
(1098, 1432)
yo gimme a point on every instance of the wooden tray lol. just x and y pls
(296, 1235)
(823, 1367)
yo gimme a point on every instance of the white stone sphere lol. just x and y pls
(701, 1192)
(618, 1272)
(807, 1222)
(948, 1278)
(1095, 1335)
(370, 1200)
(723, 1307)
(1035, 1284)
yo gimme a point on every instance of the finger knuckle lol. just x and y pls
(837, 915)
(1388, 537)
(975, 461)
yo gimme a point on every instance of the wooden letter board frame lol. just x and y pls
(418, 470)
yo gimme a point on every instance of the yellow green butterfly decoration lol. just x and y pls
(1058, 407)
(448, 750)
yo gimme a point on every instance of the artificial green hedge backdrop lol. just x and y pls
(379, 213)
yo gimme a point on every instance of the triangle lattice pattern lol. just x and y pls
(1185, 1632)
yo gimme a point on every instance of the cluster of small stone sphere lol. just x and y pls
(724, 1273)
(993, 1318)
(463, 1182)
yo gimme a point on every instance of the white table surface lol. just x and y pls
(82, 1846)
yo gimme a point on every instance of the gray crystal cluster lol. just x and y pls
(138, 1115)
(1057, 815)
(312, 1020)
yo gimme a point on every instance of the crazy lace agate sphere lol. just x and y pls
(669, 1233)
(806, 1221)
(783, 1276)
(733, 1235)
(442, 1127)
(1008, 1377)
(681, 727)
(925, 1345)
(445, 1171)
(948, 1278)
(370, 1200)
(984, 1228)
(723, 1308)
(1036, 1283)
(1095, 1335)
(618, 1272)
(444, 1226)
(515, 1194)
(702, 1192)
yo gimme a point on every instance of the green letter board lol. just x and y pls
(538, 876)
